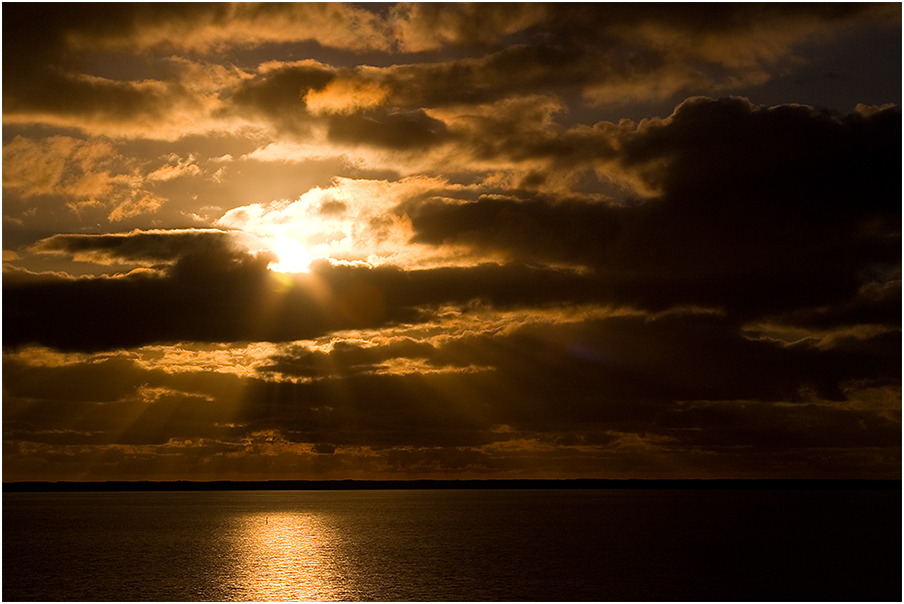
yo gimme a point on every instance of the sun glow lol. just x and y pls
(293, 256)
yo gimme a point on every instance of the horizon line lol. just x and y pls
(430, 483)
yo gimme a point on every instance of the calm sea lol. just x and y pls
(464, 545)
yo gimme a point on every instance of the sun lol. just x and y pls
(292, 256)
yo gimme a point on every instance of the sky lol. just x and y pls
(407, 241)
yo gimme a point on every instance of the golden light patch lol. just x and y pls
(345, 96)
(353, 221)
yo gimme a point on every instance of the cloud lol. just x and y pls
(278, 91)
(88, 173)
(62, 165)
(399, 356)
(716, 359)
(516, 138)
(755, 210)
(345, 96)
(626, 378)
(665, 56)
(100, 106)
(622, 375)
(307, 98)
(419, 27)
(788, 172)
(352, 220)
(756, 34)
(684, 247)
(809, 427)
(204, 28)
(497, 274)
(610, 55)
(527, 230)
(388, 129)
(175, 168)
(46, 82)
(226, 295)
(136, 206)
(139, 247)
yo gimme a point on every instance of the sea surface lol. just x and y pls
(459, 545)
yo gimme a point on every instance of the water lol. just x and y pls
(462, 545)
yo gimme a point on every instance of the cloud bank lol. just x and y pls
(425, 240)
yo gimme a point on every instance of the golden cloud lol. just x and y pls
(345, 96)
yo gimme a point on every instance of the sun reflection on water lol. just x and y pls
(282, 556)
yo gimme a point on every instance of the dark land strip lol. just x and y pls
(345, 485)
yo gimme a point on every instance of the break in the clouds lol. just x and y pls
(425, 240)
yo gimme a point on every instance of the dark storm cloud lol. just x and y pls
(787, 158)
(539, 229)
(102, 381)
(133, 421)
(137, 309)
(389, 129)
(689, 381)
(370, 410)
(223, 295)
(514, 71)
(591, 385)
(344, 358)
(278, 94)
(758, 211)
(145, 247)
(723, 426)
(628, 368)
(619, 368)
(876, 303)
(113, 399)
(788, 199)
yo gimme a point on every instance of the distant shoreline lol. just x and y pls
(347, 485)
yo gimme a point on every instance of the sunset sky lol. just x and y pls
(392, 241)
